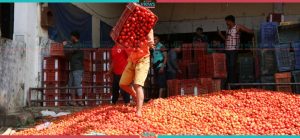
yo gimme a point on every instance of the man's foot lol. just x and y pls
(139, 113)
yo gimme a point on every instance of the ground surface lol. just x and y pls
(249, 111)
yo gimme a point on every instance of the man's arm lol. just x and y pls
(245, 29)
(151, 39)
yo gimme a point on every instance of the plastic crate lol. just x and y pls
(57, 49)
(192, 70)
(199, 50)
(91, 96)
(99, 67)
(54, 91)
(282, 52)
(99, 78)
(267, 62)
(268, 79)
(87, 77)
(183, 67)
(292, 58)
(187, 51)
(296, 47)
(202, 66)
(102, 55)
(53, 97)
(283, 78)
(124, 18)
(246, 69)
(205, 85)
(87, 55)
(188, 87)
(55, 76)
(268, 34)
(55, 63)
(216, 65)
(216, 85)
(296, 78)
(87, 65)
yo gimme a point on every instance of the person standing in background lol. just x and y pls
(172, 65)
(76, 64)
(232, 43)
(136, 72)
(199, 36)
(119, 57)
(159, 65)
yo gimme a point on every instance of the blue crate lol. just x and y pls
(296, 78)
(296, 47)
(267, 62)
(246, 69)
(268, 34)
(283, 58)
(268, 79)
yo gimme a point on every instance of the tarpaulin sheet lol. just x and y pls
(68, 18)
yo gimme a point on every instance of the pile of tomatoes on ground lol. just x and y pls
(244, 112)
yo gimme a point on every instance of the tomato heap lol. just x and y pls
(245, 112)
(136, 28)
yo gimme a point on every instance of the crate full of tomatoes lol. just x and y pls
(134, 25)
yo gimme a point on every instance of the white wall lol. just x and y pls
(27, 29)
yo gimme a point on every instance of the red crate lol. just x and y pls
(101, 55)
(173, 87)
(283, 78)
(124, 18)
(54, 91)
(105, 98)
(87, 55)
(55, 63)
(200, 50)
(192, 70)
(216, 65)
(187, 51)
(182, 64)
(52, 97)
(99, 67)
(187, 87)
(91, 96)
(202, 66)
(57, 49)
(99, 78)
(85, 89)
(55, 76)
(216, 85)
(206, 85)
(87, 77)
(87, 65)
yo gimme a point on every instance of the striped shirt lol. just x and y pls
(232, 39)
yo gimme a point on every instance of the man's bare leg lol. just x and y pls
(129, 89)
(140, 99)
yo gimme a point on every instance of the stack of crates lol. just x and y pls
(283, 78)
(216, 65)
(296, 73)
(56, 74)
(101, 65)
(267, 67)
(283, 57)
(246, 69)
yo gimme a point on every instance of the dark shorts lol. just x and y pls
(160, 79)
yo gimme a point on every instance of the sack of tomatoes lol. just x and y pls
(134, 25)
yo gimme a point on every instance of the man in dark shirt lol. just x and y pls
(200, 37)
(76, 64)
(172, 65)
